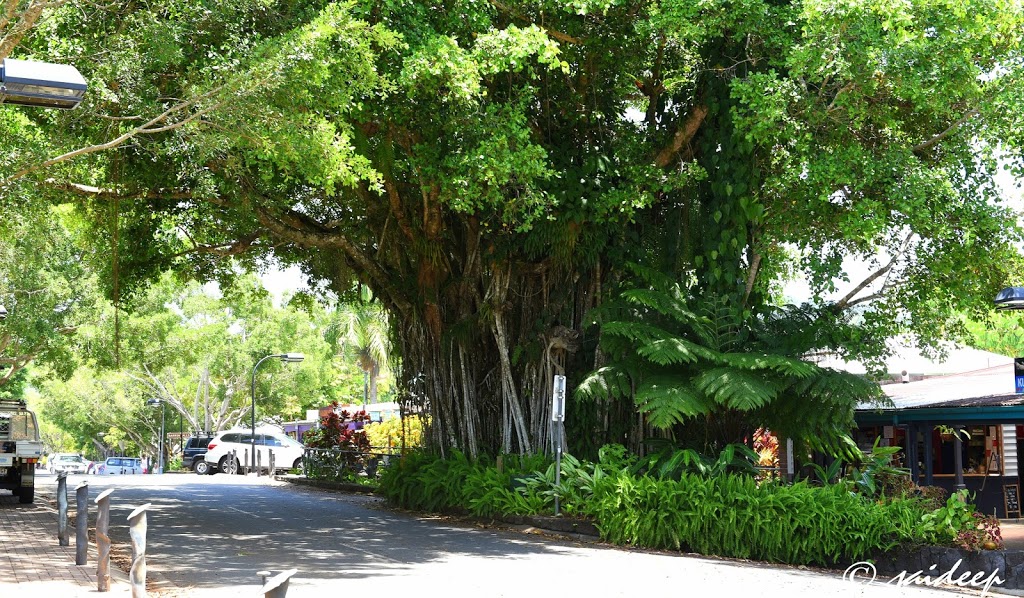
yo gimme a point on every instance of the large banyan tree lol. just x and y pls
(489, 168)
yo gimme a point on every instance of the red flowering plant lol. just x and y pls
(342, 433)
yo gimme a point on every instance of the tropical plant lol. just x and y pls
(671, 462)
(341, 435)
(728, 373)
(876, 473)
(957, 524)
(736, 516)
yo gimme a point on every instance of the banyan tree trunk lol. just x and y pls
(485, 380)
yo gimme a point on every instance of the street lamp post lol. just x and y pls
(163, 414)
(285, 358)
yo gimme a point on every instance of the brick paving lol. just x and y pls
(32, 562)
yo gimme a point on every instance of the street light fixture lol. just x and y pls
(163, 414)
(40, 84)
(1010, 298)
(285, 358)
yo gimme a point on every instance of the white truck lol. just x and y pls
(20, 449)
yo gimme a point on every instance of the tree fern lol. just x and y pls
(715, 361)
(736, 389)
(665, 402)
(672, 351)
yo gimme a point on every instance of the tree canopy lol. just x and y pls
(489, 169)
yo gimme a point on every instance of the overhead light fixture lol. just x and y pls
(40, 84)
(1010, 298)
(292, 357)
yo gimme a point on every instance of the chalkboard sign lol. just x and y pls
(1011, 499)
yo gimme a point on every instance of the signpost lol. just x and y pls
(557, 427)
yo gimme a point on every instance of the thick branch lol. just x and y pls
(935, 139)
(682, 137)
(26, 21)
(101, 193)
(755, 266)
(849, 301)
(227, 249)
(300, 229)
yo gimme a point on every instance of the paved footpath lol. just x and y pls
(32, 562)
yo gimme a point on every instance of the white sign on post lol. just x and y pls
(558, 400)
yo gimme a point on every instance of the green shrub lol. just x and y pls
(957, 524)
(733, 516)
(725, 514)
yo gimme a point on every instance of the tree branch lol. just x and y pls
(101, 193)
(683, 135)
(157, 124)
(304, 231)
(848, 301)
(930, 143)
(26, 21)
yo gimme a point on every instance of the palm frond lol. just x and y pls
(673, 351)
(667, 304)
(736, 389)
(666, 402)
(638, 332)
(609, 382)
(788, 366)
(841, 386)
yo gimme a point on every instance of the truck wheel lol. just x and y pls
(201, 468)
(27, 496)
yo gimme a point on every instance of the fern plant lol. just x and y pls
(684, 360)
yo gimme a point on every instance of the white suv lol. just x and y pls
(228, 451)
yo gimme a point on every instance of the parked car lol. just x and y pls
(120, 466)
(193, 455)
(69, 462)
(227, 451)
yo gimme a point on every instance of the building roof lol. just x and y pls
(981, 395)
(984, 386)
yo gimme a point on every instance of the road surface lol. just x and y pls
(210, 535)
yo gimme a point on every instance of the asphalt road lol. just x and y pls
(210, 535)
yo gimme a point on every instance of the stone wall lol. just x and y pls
(935, 561)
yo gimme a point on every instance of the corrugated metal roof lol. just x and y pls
(987, 387)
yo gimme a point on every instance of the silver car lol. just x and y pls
(69, 462)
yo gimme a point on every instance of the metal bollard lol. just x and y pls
(259, 463)
(270, 466)
(103, 540)
(277, 587)
(82, 524)
(62, 509)
(137, 531)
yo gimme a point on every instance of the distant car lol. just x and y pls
(227, 451)
(120, 466)
(193, 455)
(69, 462)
